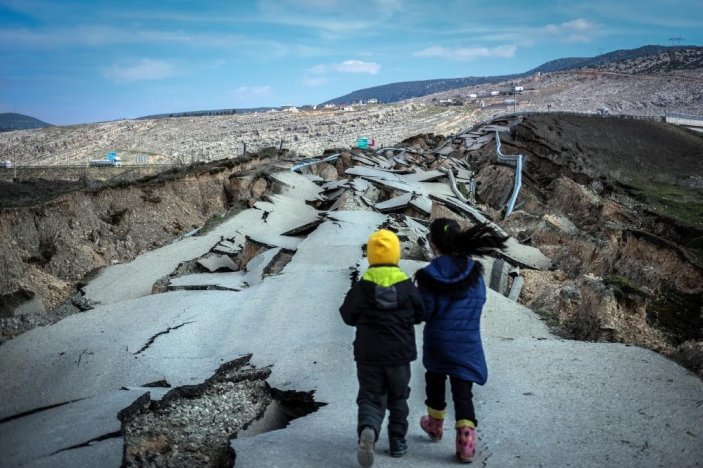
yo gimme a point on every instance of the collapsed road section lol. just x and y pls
(266, 282)
(184, 334)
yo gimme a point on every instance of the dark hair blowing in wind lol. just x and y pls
(448, 237)
(479, 240)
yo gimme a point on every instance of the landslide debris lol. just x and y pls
(617, 203)
(193, 425)
(61, 236)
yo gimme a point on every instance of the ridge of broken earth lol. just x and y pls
(13, 324)
(58, 246)
(38, 410)
(235, 262)
(193, 425)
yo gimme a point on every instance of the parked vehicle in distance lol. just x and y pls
(111, 160)
(6, 164)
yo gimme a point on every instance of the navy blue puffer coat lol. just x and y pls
(454, 293)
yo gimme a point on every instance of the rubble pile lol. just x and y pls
(263, 281)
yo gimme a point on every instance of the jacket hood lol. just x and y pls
(449, 275)
(448, 270)
(384, 279)
(384, 275)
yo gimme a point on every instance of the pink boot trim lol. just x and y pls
(465, 444)
(433, 427)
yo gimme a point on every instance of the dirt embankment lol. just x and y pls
(52, 246)
(626, 238)
(629, 265)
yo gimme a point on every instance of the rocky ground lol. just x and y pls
(616, 203)
(207, 138)
(644, 87)
(648, 86)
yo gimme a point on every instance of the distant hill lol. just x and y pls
(572, 63)
(208, 112)
(394, 92)
(191, 114)
(410, 89)
(10, 121)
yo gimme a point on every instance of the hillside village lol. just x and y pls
(599, 292)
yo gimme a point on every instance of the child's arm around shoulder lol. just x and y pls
(418, 304)
(350, 307)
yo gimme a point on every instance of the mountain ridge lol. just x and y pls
(10, 121)
(399, 91)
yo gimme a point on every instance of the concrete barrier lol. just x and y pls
(77, 172)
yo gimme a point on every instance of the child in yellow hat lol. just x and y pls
(384, 306)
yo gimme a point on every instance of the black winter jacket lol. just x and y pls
(384, 306)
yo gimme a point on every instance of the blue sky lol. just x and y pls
(71, 61)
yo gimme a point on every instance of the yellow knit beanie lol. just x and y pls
(383, 248)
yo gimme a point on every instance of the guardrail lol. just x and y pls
(517, 161)
(684, 119)
(310, 162)
(656, 118)
(76, 172)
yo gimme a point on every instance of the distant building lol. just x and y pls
(495, 93)
(330, 106)
(518, 89)
(372, 101)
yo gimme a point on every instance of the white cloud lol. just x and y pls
(578, 30)
(248, 93)
(357, 66)
(145, 69)
(318, 69)
(315, 82)
(348, 66)
(468, 53)
(390, 6)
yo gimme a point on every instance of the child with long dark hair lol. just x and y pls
(454, 292)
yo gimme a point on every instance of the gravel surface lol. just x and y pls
(192, 426)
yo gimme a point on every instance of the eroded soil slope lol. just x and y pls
(618, 205)
(50, 247)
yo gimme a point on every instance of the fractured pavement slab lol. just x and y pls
(65, 428)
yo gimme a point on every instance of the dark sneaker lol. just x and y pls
(367, 440)
(398, 447)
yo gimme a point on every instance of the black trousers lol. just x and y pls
(381, 388)
(461, 394)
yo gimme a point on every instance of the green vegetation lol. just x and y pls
(678, 313)
(218, 218)
(623, 284)
(551, 319)
(695, 248)
(680, 203)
